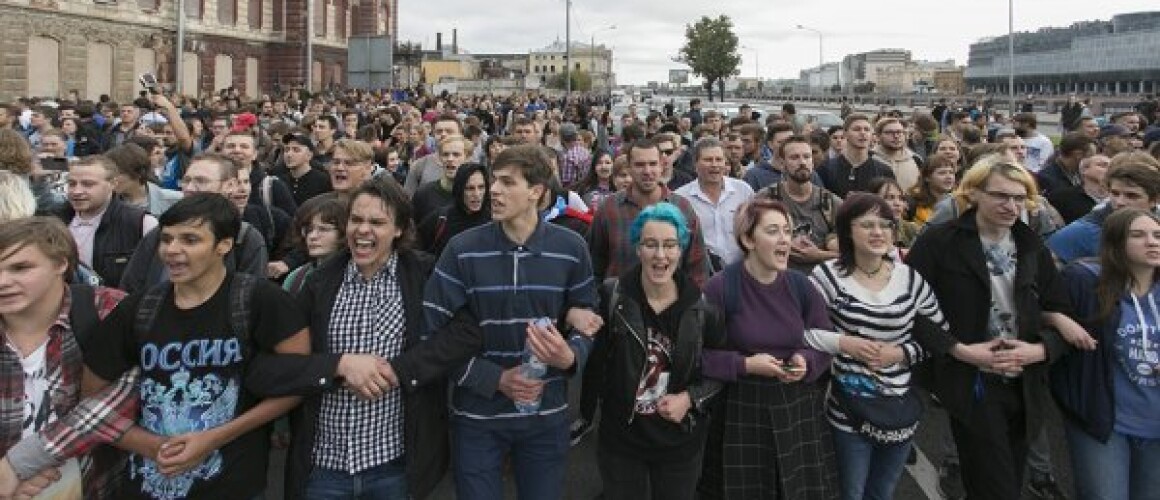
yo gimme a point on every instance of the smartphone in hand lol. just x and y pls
(149, 82)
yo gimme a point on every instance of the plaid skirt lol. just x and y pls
(770, 441)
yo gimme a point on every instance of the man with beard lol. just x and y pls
(814, 240)
(854, 168)
(893, 151)
(763, 173)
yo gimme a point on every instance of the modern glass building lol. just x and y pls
(1100, 57)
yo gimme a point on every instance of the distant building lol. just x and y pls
(550, 61)
(1109, 57)
(912, 77)
(100, 46)
(820, 78)
(865, 67)
(950, 81)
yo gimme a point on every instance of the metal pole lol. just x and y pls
(180, 49)
(309, 45)
(567, 49)
(1011, 53)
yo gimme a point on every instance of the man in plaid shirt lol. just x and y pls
(41, 401)
(577, 159)
(608, 237)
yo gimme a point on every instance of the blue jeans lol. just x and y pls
(868, 470)
(383, 482)
(1123, 468)
(539, 456)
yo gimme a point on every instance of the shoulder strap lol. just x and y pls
(241, 295)
(239, 243)
(148, 307)
(440, 228)
(797, 287)
(267, 191)
(82, 314)
(732, 290)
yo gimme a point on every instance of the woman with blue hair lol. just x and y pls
(652, 423)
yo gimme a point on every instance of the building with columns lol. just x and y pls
(1120, 56)
(95, 47)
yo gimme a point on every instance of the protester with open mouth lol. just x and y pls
(654, 418)
(769, 433)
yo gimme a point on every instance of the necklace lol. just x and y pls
(875, 271)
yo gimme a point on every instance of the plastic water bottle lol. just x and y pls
(533, 369)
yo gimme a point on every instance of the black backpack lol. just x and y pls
(241, 295)
(83, 316)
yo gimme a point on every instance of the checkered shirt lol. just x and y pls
(353, 434)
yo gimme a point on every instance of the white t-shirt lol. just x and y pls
(38, 410)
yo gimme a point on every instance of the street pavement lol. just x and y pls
(920, 482)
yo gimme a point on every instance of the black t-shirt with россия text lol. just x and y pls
(191, 381)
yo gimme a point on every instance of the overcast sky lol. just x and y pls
(650, 32)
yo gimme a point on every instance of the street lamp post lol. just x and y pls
(592, 53)
(756, 66)
(1011, 53)
(822, 57)
(567, 49)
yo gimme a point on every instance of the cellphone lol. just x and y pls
(148, 82)
(793, 368)
(543, 323)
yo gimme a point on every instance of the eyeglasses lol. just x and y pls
(1005, 198)
(320, 228)
(870, 225)
(198, 183)
(654, 246)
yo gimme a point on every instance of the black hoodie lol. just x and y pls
(436, 229)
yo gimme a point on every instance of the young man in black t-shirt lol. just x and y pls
(200, 432)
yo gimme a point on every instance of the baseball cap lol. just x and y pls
(300, 138)
(244, 121)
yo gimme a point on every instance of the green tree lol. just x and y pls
(581, 81)
(711, 51)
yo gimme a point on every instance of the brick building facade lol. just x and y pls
(53, 47)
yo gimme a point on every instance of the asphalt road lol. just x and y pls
(918, 483)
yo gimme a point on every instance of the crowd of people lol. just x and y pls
(397, 285)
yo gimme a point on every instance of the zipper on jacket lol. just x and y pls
(644, 366)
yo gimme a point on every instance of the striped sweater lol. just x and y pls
(885, 316)
(506, 286)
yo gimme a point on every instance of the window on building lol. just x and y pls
(340, 18)
(553, 68)
(194, 9)
(254, 13)
(577, 66)
(319, 20)
(227, 12)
